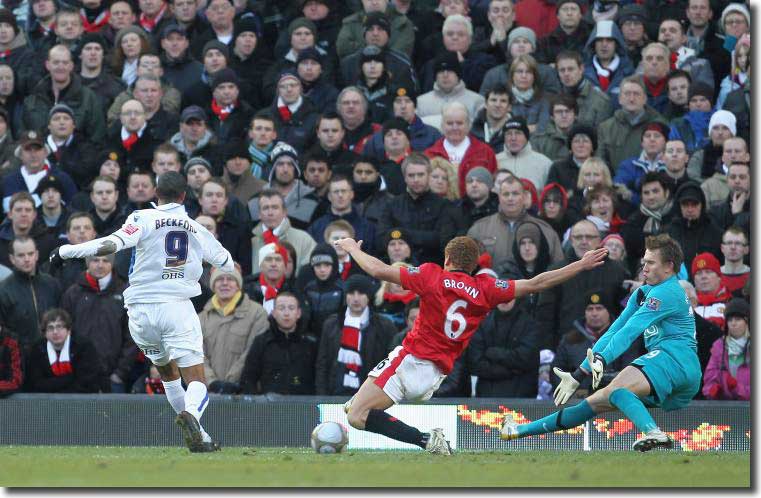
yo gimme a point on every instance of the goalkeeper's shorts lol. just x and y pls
(404, 377)
(674, 382)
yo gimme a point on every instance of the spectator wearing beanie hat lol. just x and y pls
(269, 277)
(582, 142)
(691, 226)
(712, 294)
(323, 288)
(478, 200)
(93, 72)
(632, 20)
(214, 56)
(519, 158)
(19, 55)
(237, 175)
(692, 128)
(248, 59)
(351, 37)
(353, 341)
(320, 91)
(230, 321)
(448, 87)
(229, 115)
(295, 117)
(68, 149)
(727, 375)
(570, 34)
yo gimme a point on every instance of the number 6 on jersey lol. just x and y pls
(455, 323)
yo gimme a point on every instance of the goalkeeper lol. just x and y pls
(667, 376)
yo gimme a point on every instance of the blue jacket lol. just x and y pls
(692, 129)
(363, 229)
(422, 136)
(629, 173)
(14, 182)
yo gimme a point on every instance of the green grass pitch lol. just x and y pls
(287, 467)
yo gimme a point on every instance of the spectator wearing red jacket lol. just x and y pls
(712, 295)
(458, 146)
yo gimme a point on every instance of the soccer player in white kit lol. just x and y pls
(168, 249)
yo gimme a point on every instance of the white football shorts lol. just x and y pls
(404, 377)
(167, 331)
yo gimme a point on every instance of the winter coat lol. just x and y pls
(724, 218)
(527, 164)
(322, 94)
(364, 230)
(695, 237)
(88, 115)
(105, 86)
(536, 111)
(395, 62)
(44, 240)
(280, 363)
(500, 76)
(738, 103)
(538, 15)
(496, 140)
(235, 126)
(422, 136)
(227, 339)
(478, 154)
(424, 218)
(23, 300)
(14, 182)
(25, 63)
(299, 131)
(504, 355)
(208, 147)
(373, 348)
(351, 37)
(140, 154)
(244, 187)
(630, 172)
(692, 129)
(433, 102)
(594, 105)
(100, 317)
(716, 190)
(467, 213)
(704, 162)
(301, 241)
(619, 140)
(77, 159)
(558, 40)
(324, 297)
(565, 172)
(497, 236)
(718, 382)
(475, 65)
(172, 102)
(551, 143)
(625, 66)
(233, 232)
(87, 375)
(183, 72)
(560, 305)
(634, 237)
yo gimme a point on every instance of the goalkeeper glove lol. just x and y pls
(597, 366)
(569, 382)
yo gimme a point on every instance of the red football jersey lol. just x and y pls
(452, 304)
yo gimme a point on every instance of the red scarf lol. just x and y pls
(221, 112)
(269, 291)
(270, 237)
(97, 24)
(708, 298)
(345, 271)
(655, 87)
(149, 24)
(4, 54)
(61, 368)
(672, 60)
(285, 113)
(405, 298)
(93, 282)
(130, 141)
(348, 353)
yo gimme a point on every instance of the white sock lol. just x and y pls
(196, 399)
(175, 394)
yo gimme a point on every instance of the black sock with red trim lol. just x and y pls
(381, 422)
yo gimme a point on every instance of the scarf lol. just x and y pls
(259, 159)
(273, 235)
(269, 292)
(708, 298)
(523, 96)
(229, 307)
(56, 149)
(736, 352)
(149, 24)
(655, 88)
(222, 113)
(128, 142)
(60, 363)
(654, 217)
(364, 190)
(346, 268)
(286, 111)
(96, 25)
(405, 297)
(97, 284)
(604, 74)
(351, 340)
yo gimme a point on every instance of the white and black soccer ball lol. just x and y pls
(329, 437)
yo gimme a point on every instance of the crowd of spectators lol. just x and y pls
(541, 128)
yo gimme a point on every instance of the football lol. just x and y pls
(329, 437)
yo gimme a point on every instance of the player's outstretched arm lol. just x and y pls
(373, 266)
(549, 279)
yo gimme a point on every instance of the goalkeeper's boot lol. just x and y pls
(653, 439)
(206, 447)
(437, 443)
(347, 405)
(191, 431)
(509, 429)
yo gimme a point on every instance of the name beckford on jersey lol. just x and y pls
(168, 251)
(452, 304)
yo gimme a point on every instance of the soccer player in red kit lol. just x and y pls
(452, 305)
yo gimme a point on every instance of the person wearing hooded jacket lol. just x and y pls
(370, 190)
(553, 208)
(692, 128)
(691, 226)
(324, 291)
(727, 375)
(504, 353)
(531, 256)
(604, 69)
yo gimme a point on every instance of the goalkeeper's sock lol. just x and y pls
(565, 418)
(381, 422)
(175, 394)
(632, 406)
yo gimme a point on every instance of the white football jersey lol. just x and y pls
(168, 250)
